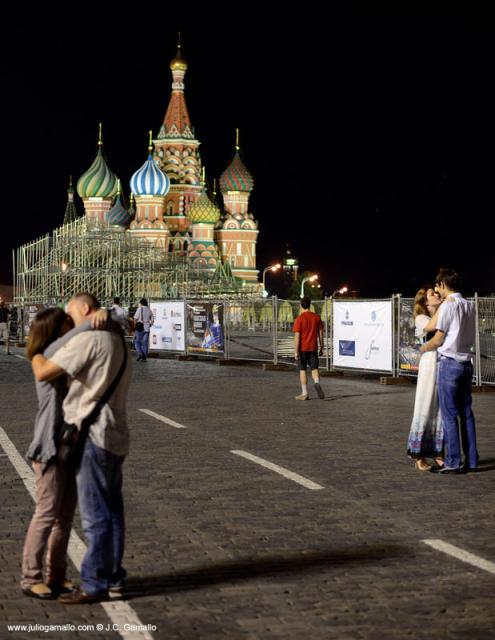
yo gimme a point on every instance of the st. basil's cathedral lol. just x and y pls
(172, 209)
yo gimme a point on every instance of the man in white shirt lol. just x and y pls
(144, 320)
(454, 339)
(93, 360)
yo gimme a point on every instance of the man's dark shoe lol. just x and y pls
(466, 469)
(81, 597)
(319, 391)
(443, 470)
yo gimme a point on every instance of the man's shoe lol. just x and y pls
(444, 470)
(139, 358)
(319, 391)
(303, 396)
(39, 590)
(466, 469)
(118, 587)
(81, 597)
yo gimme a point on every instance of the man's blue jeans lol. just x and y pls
(141, 340)
(454, 394)
(99, 487)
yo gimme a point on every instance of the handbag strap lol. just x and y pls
(91, 419)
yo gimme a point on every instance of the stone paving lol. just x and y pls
(219, 547)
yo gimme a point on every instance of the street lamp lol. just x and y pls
(341, 291)
(273, 267)
(307, 279)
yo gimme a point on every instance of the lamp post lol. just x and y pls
(307, 279)
(341, 291)
(273, 267)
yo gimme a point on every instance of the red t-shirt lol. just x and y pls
(308, 325)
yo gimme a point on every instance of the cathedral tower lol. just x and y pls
(238, 231)
(97, 187)
(176, 152)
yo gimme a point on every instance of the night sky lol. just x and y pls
(370, 137)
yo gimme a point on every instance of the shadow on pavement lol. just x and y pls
(273, 565)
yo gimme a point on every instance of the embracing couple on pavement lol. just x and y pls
(81, 367)
(446, 321)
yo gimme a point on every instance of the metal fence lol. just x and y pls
(261, 330)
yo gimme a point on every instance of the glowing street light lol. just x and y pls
(341, 291)
(307, 279)
(273, 267)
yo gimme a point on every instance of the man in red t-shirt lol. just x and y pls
(308, 327)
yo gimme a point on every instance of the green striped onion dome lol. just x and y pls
(236, 177)
(203, 210)
(98, 181)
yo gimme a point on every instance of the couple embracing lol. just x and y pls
(80, 364)
(446, 322)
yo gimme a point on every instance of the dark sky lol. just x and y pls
(370, 137)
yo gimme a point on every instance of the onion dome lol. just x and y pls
(204, 211)
(236, 177)
(98, 181)
(118, 214)
(178, 62)
(150, 180)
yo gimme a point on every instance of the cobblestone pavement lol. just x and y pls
(220, 547)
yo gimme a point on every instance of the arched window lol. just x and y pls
(170, 208)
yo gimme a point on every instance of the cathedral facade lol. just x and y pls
(170, 206)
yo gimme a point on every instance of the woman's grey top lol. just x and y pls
(50, 398)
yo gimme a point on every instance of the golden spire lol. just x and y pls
(214, 192)
(150, 147)
(178, 62)
(118, 187)
(237, 147)
(203, 176)
(100, 134)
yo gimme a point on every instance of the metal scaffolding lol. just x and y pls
(108, 262)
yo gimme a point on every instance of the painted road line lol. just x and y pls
(295, 477)
(172, 423)
(119, 612)
(460, 554)
(18, 356)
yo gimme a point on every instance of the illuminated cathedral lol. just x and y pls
(171, 240)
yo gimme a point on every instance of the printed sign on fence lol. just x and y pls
(362, 334)
(205, 328)
(408, 343)
(167, 331)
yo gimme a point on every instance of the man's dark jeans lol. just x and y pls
(99, 487)
(454, 394)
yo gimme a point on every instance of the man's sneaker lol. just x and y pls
(303, 396)
(319, 391)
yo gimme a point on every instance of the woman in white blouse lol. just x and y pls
(426, 433)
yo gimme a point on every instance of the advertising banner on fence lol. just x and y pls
(408, 343)
(205, 328)
(168, 330)
(362, 335)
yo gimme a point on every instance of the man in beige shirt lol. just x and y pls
(93, 360)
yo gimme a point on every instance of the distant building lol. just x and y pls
(175, 241)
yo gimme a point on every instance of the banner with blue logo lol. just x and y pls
(168, 329)
(362, 334)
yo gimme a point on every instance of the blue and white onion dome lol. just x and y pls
(150, 180)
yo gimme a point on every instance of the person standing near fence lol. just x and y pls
(308, 328)
(4, 325)
(454, 339)
(144, 320)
